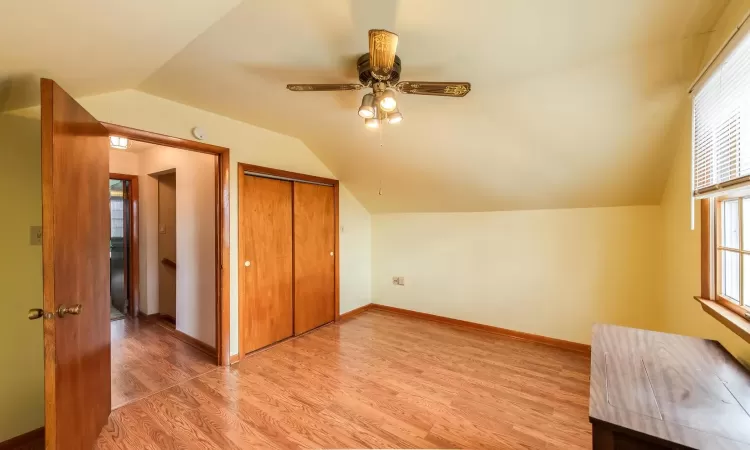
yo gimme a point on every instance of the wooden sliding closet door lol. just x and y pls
(265, 220)
(313, 256)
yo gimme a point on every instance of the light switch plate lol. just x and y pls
(35, 235)
(400, 281)
(162, 229)
(395, 281)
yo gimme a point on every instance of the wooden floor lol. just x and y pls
(378, 380)
(147, 358)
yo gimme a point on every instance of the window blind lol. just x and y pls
(721, 125)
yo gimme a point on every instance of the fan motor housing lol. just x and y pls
(365, 75)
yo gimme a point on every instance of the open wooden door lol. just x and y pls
(75, 249)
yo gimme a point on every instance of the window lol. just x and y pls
(721, 178)
(732, 252)
(721, 125)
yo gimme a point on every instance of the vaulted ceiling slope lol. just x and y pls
(571, 104)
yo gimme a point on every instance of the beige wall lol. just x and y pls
(123, 161)
(551, 272)
(21, 351)
(681, 246)
(195, 240)
(355, 247)
(167, 223)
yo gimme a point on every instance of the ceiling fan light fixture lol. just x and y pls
(367, 110)
(395, 117)
(387, 100)
(372, 123)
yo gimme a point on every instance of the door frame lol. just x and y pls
(222, 220)
(241, 169)
(134, 294)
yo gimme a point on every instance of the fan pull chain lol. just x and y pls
(380, 131)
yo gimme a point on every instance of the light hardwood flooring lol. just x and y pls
(377, 380)
(147, 358)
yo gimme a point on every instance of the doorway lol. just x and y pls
(171, 334)
(219, 215)
(123, 246)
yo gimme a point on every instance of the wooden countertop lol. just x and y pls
(668, 389)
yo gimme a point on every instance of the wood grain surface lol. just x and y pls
(75, 255)
(377, 380)
(265, 221)
(148, 358)
(314, 251)
(668, 389)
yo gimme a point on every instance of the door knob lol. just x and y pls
(74, 310)
(247, 263)
(39, 313)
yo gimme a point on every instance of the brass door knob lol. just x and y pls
(39, 313)
(63, 310)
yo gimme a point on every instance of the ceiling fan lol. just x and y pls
(380, 69)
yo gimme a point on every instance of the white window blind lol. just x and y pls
(721, 125)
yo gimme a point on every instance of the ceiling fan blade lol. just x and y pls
(382, 53)
(434, 88)
(323, 87)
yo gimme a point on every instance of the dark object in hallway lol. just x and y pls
(659, 390)
(119, 237)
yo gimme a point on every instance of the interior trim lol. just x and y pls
(193, 342)
(554, 342)
(355, 312)
(276, 177)
(24, 440)
(222, 221)
(729, 318)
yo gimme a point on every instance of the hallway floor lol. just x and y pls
(147, 358)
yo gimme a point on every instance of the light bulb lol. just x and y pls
(387, 100)
(367, 110)
(372, 123)
(118, 142)
(395, 117)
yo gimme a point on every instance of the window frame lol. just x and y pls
(714, 225)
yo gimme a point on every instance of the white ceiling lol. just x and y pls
(571, 104)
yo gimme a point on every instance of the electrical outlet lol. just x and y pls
(400, 281)
(395, 281)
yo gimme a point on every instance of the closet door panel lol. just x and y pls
(313, 256)
(266, 261)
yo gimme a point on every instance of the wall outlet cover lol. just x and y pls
(35, 235)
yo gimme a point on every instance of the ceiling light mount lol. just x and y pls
(118, 142)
